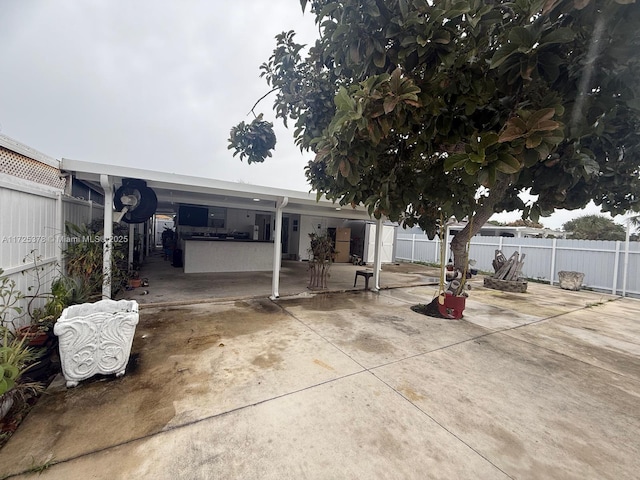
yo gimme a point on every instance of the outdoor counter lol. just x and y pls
(206, 255)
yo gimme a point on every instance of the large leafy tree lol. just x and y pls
(594, 227)
(425, 109)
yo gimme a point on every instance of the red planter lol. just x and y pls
(34, 336)
(453, 306)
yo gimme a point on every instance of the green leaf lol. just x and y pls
(489, 139)
(558, 35)
(472, 168)
(507, 163)
(343, 101)
(455, 161)
(389, 104)
(521, 37)
(379, 59)
(539, 116)
(502, 54)
(533, 141)
(442, 37)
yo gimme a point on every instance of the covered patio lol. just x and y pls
(205, 241)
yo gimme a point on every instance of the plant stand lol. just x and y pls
(96, 338)
(318, 273)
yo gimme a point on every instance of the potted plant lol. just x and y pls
(452, 296)
(320, 258)
(15, 358)
(15, 354)
(65, 291)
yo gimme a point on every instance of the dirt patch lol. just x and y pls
(428, 309)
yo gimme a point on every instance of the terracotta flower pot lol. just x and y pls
(135, 282)
(34, 336)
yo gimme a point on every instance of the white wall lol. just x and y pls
(318, 225)
(240, 220)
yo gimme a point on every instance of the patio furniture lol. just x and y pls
(367, 274)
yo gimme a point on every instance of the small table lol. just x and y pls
(367, 274)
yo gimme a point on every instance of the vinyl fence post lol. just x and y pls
(625, 275)
(553, 260)
(413, 247)
(616, 268)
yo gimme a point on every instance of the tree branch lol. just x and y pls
(259, 100)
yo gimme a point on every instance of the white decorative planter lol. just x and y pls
(96, 338)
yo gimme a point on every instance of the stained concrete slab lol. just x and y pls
(189, 363)
(482, 314)
(603, 335)
(533, 413)
(540, 299)
(355, 427)
(376, 329)
(355, 385)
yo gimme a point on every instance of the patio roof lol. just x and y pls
(173, 189)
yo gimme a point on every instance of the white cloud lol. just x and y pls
(156, 85)
(153, 84)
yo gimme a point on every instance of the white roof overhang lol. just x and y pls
(174, 189)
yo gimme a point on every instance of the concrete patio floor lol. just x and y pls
(356, 385)
(170, 286)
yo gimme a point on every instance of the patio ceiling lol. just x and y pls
(174, 189)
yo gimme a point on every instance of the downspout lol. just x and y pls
(377, 260)
(105, 181)
(277, 248)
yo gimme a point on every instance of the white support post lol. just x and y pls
(436, 253)
(147, 237)
(553, 260)
(377, 260)
(105, 181)
(131, 245)
(277, 249)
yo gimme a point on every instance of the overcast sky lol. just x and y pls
(150, 84)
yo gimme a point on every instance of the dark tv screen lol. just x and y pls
(193, 216)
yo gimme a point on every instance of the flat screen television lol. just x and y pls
(193, 216)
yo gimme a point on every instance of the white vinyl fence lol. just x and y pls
(608, 265)
(32, 229)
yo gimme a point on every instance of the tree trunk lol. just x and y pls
(483, 213)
